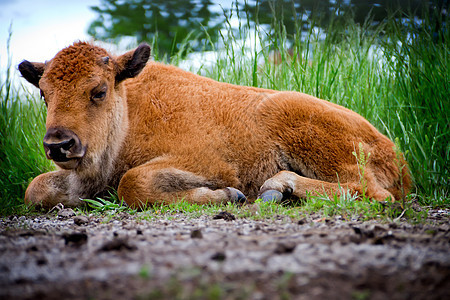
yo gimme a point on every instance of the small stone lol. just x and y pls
(33, 249)
(66, 213)
(75, 238)
(393, 225)
(41, 261)
(117, 244)
(378, 228)
(301, 221)
(224, 215)
(219, 256)
(285, 248)
(357, 230)
(196, 234)
(80, 220)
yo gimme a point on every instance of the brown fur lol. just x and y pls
(167, 134)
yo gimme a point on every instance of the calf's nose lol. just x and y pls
(61, 145)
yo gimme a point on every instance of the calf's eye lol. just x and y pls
(99, 94)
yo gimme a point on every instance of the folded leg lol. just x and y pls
(159, 181)
(49, 189)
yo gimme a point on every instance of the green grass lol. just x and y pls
(316, 208)
(399, 81)
(421, 74)
(22, 128)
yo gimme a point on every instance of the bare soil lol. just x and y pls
(127, 257)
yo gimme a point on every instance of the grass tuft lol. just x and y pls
(22, 128)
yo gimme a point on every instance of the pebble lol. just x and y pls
(196, 234)
(80, 220)
(224, 215)
(66, 213)
(219, 256)
(117, 244)
(75, 238)
(302, 221)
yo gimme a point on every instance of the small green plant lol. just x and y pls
(266, 209)
(102, 205)
(145, 272)
(111, 205)
(284, 283)
(163, 210)
(347, 205)
(361, 294)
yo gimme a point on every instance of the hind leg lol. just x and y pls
(317, 139)
(290, 183)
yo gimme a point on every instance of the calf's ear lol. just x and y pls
(32, 71)
(131, 63)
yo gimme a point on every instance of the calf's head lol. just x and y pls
(85, 102)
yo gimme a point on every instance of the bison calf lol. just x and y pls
(158, 133)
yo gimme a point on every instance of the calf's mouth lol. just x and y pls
(64, 147)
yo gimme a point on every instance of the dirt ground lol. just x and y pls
(216, 257)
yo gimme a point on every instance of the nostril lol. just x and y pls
(67, 145)
(59, 151)
(64, 145)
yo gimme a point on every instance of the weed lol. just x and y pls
(145, 272)
(110, 205)
(361, 295)
(283, 285)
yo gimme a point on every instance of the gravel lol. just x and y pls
(222, 257)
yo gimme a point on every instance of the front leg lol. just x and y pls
(289, 183)
(49, 189)
(156, 182)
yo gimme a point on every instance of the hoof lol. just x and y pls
(236, 196)
(271, 196)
